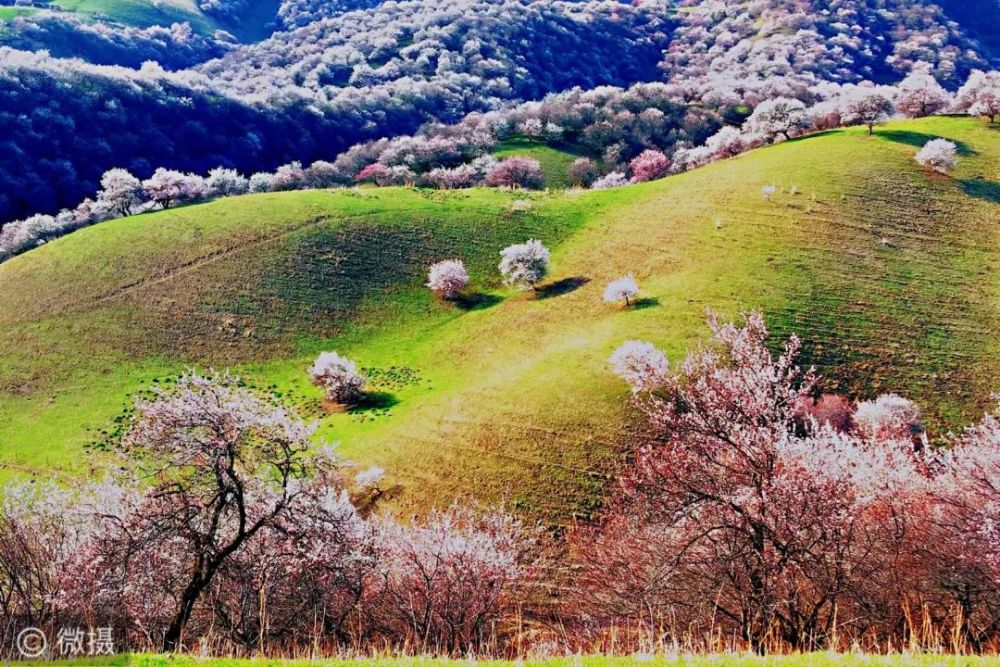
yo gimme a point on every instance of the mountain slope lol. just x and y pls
(889, 273)
(255, 21)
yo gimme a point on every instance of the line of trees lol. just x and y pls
(763, 510)
(227, 528)
(757, 513)
(635, 134)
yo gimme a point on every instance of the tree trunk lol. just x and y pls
(172, 639)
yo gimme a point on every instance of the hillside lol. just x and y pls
(254, 23)
(889, 273)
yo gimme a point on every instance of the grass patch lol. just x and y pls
(555, 160)
(8, 13)
(888, 272)
(253, 25)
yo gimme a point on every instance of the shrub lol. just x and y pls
(940, 155)
(524, 265)
(448, 278)
(338, 377)
(642, 365)
(621, 289)
(582, 172)
(649, 165)
(615, 179)
(517, 172)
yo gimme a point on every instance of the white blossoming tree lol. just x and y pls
(778, 117)
(222, 182)
(448, 278)
(338, 377)
(121, 190)
(867, 106)
(940, 155)
(621, 289)
(167, 187)
(641, 364)
(524, 265)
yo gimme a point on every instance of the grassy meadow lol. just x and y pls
(554, 160)
(252, 25)
(888, 272)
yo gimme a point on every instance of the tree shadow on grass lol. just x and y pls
(374, 400)
(809, 135)
(643, 304)
(982, 189)
(476, 301)
(920, 139)
(560, 287)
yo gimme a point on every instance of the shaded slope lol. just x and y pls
(889, 274)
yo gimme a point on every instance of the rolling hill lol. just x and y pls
(256, 23)
(888, 272)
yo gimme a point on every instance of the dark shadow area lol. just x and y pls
(369, 502)
(980, 188)
(374, 400)
(810, 135)
(560, 287)
(643, 304)
(476, 301)
(919, 139)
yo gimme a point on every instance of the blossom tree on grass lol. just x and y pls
(222, 182)
(448, 278)
(338, 377)
(121, 190)
(641, 364)
(980, 95)
(649, 165)
(731, 513)
(940, 155)
(727, 142)
(376, 173)
(167, 187)
(450, 579)
(781, 116)
(517, 172)
(524, 265)
(867, 106)
(226, 464)
(920, 94)
(582, 172)
(615, 179)
(621, 289)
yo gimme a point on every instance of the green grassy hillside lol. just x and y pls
(251, 26)
(555, 161)
(889, 273)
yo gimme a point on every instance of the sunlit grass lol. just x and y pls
(889, 273)
(555, 160)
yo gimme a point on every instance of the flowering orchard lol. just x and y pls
(764, 511)
(636, 134)
(757, 512)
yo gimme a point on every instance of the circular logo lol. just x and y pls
(31, 643)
